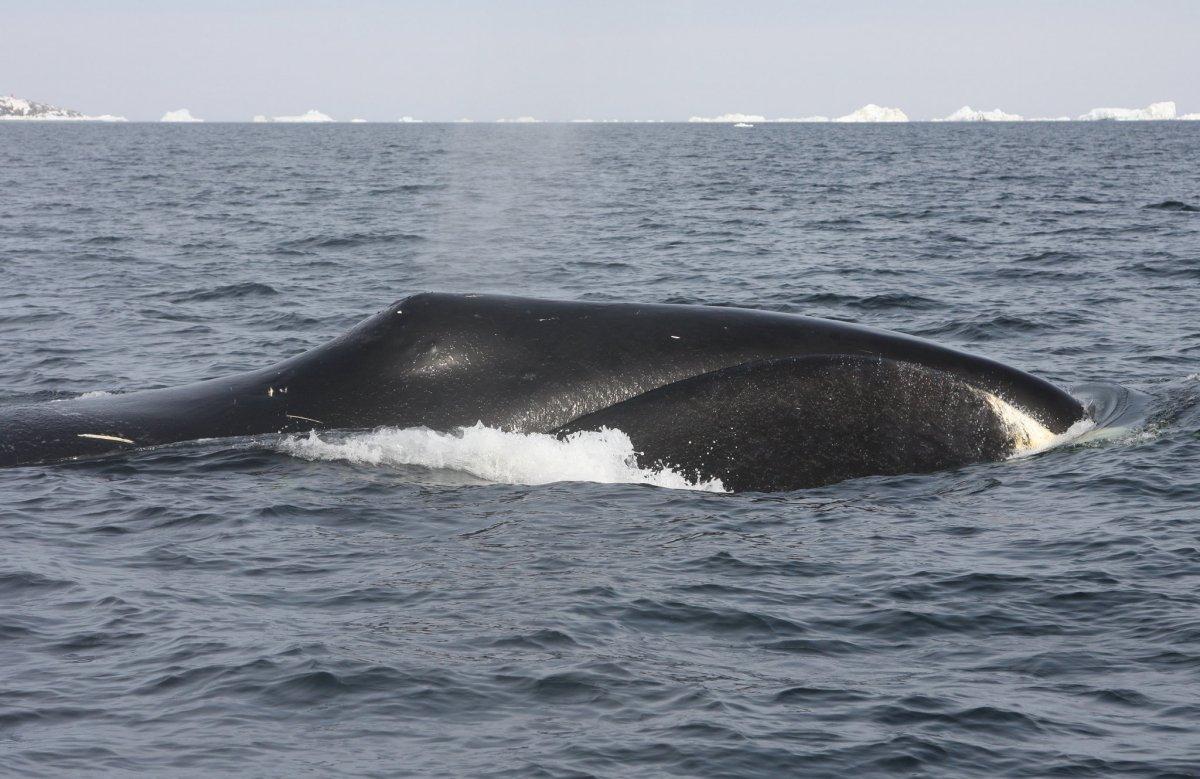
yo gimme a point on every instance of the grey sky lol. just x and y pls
(613, 59)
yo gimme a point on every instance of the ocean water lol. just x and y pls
(404, 604)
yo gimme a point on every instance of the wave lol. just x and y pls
(1172, 205)
(606, 456)
(354, 239)
(242, 290)
(95, 394)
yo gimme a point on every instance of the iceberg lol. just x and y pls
(730, 118)
(1049, 119)
(357, 121)
(803, 119)
(182, 115)
(409, 120)
(17, 108)
(874, 113)
(1189, 118)
(968, 114)
(1153, 112)
(520, 120)
(312, 115)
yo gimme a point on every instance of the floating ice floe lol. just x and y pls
(874, 113)
(729, 118)
(968, 114)
(17, 108)
(311, 115)
(182, 115)
(1153, 112)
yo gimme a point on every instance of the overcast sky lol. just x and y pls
(646, 59)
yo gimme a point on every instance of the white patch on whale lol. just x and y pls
(105, 437)
(605, 456)
(1030, 436)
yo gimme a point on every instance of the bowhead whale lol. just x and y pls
(760, 400)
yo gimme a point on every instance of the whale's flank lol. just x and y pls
(783, 401)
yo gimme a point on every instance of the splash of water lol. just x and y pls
(605, 456)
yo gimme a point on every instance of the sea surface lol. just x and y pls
(295, 607)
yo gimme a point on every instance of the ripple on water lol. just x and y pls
(227, 607)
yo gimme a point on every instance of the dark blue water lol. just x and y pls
(228, 607)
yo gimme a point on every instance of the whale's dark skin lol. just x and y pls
(761, 400)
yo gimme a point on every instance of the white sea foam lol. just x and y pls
(606, 456)
(182, 115)
(874, 113)
(1153, 112)
(968, 114)
(729, 118)
(85, 396)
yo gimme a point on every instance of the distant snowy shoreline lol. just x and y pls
(20, 109)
